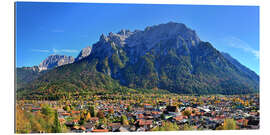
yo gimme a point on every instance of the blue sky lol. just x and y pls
(43, 29)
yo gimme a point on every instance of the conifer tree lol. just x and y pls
(57, 126)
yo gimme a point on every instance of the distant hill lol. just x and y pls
(24, 75)
(166, 56)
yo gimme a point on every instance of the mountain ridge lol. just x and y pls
(166, 56)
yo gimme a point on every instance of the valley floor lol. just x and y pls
(138, 112)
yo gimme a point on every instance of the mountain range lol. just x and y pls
(28, 74)
(166, 56)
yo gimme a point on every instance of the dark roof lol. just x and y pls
(171, 108)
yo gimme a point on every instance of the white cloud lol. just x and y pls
(256, 53)
(64, 50)
(238, 43)
(41, 50)
(56, 50)
(69, 50)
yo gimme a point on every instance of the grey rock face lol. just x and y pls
(139, 42)
(154, 34)
(55, 61)
(84, 53)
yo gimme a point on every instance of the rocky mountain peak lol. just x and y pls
(84, 53)
(140, 42)
(53, 61)
(103, 38)
(125, 33)
(152, 35)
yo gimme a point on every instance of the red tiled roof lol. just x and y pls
(155, 112)
(82, 128)
(140, 116)
(145, 122)
(114, 124)
(75, 112)
(100, 130)
(61, 119)
(94, 118)
(179, 117)
(75, 120)
(65, 114)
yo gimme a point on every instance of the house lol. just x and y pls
(75, 112)
(94, 119)
(64, 115)
(141, 129)
(183, 121)
(139, 116)
(61, 120)
(156, 114)
(78, 129)
(89, 126)
(75, 122)
(132, 128)
(123, 129)
(36, 109)
(146, 124)
(162, 105)
(114, 126)
(148, 107)
(148, 117)
(181, 117)
(60, 111)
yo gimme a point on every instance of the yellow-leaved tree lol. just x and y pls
(229, 124)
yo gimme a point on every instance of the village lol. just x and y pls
(152, 112)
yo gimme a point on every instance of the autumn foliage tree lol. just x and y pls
(124, 120)
(187, 113)
(28, 122)
(229, 124)
(100, 114)
(88, 116)
(22, 123)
